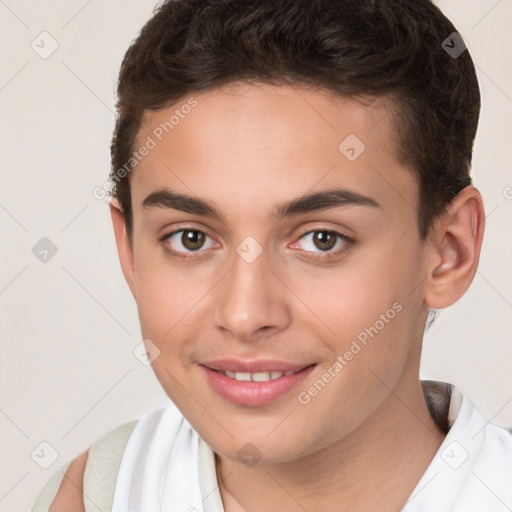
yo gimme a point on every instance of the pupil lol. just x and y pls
(192, 239)
(324, 240)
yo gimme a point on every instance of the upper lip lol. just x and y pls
(254, 366)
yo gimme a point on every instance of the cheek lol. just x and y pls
(365, 311)
(165, 303)
(346, 300)
(165, 293)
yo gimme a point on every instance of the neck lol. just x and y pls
(376, 467)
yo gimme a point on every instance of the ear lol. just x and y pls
(455, 244)
(124, 247)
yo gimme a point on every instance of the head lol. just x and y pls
(291, 183)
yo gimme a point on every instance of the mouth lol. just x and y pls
(257, 376)
(254, 383)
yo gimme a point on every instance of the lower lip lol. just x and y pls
(251, 393)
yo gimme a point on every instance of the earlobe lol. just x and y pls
(124, 246)
(457, 240)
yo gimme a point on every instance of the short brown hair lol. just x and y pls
(355, 48)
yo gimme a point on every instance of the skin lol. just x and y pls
(366, 439)
(69, 497)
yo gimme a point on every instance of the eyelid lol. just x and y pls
(324, 226)
(313, 227)
(179, 227)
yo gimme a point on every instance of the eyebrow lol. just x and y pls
(318, 201)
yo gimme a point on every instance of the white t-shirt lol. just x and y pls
(165, 465)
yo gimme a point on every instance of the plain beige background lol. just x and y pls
(69, 326)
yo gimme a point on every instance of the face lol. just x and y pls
(278, 310)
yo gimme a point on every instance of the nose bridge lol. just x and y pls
(250, 297)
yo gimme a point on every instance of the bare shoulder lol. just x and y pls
(69, 497)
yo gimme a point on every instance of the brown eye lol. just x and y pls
(192, 239)
(324, 244)
(186, 242)
(324, 240)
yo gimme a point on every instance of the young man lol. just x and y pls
(292, 197)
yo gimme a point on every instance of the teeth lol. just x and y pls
(258, 376)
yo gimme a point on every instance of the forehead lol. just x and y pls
(271, 143)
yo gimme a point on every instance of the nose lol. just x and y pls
(251, 301)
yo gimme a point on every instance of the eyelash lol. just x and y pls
(325, 256)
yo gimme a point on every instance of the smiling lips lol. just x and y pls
(253, 383)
